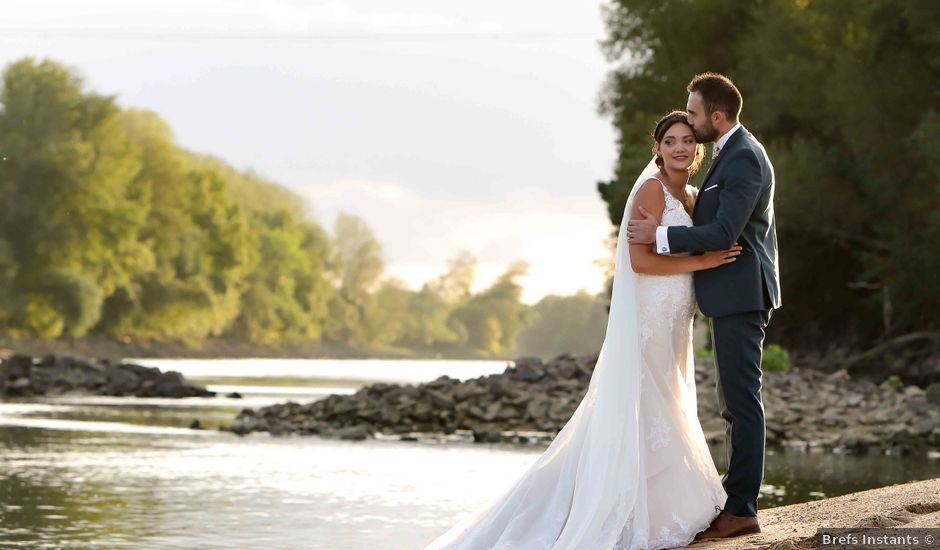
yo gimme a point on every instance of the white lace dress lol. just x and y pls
(631, 469)
(683, 486)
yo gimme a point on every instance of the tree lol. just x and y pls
(287, 292)
(453, 286)
(494, 318)
(70, 213)
(842, 94)
(359, 255)
(574, 324)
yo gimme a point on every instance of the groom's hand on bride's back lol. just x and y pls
(642, 231)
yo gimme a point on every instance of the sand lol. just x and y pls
(793, 527)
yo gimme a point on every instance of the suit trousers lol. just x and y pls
(738, 342)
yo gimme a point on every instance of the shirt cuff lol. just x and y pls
(662, 240)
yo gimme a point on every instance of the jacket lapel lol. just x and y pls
(723, 155)
(728, 146)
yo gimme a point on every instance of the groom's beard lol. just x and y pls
(707, 134)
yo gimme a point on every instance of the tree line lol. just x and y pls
(108, 227)
(844, 95)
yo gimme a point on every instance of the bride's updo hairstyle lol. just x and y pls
(659, 133)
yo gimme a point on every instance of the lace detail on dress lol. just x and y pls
(672, 204)
(659, 434)
(683, 525)
(665, 301)
(666, 538)
(682, 536)
(646, 332)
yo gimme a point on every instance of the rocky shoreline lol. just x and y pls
(531, 401)
(24, 376)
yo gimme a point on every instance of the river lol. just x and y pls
(109, 472)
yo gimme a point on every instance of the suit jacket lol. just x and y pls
(735, 204)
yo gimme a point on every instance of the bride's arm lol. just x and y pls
(643, 259)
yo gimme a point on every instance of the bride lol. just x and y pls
(631, 468)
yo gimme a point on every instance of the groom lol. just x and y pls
(735, 204)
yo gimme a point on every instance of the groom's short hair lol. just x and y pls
(718, 94)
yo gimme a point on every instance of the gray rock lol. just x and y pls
(933, 394)
(806, 409)
(16, 366)
(57, 374)
(486, 436)
(440, 399)
(858, 438)
(354, 433)
(440, 382)
(531, 362)
(528, 373)
(537, 408)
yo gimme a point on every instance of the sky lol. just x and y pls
(446, 126)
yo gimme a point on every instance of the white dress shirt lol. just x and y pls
(662, 238)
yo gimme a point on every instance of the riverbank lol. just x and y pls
(793, 527)
(530, 402)
(215, 348)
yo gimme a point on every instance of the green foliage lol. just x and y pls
(287, 292)
(76, 298)
(8, 291)
(575, 324)
(494, 318)
(386, 314)
(775, 359)
(893, 382)
(429, 323)
(843, 95)
(358, 254)
(454, 286)
(37, 315)
(704, 353)
(108, 227)
(68, 203)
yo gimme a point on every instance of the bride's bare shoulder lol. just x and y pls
(650, 189)
(650, 196)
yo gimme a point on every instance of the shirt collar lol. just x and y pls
(724, 139)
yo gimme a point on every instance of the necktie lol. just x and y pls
(715, 151)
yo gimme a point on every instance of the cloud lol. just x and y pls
(560, 237)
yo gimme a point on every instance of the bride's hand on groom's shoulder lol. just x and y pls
(720, 257)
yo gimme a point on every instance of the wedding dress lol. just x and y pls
(631, 469)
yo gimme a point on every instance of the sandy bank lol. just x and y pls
(915, 504)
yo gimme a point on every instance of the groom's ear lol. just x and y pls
(718, 116)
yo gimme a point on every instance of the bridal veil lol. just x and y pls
(585, 489)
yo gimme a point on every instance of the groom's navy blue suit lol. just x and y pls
(735, 204)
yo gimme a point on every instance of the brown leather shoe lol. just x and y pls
(728, 525)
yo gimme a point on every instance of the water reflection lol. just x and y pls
(147, 490)
(794, 476)
(184, 489)
(43, 500)
(128, 473)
